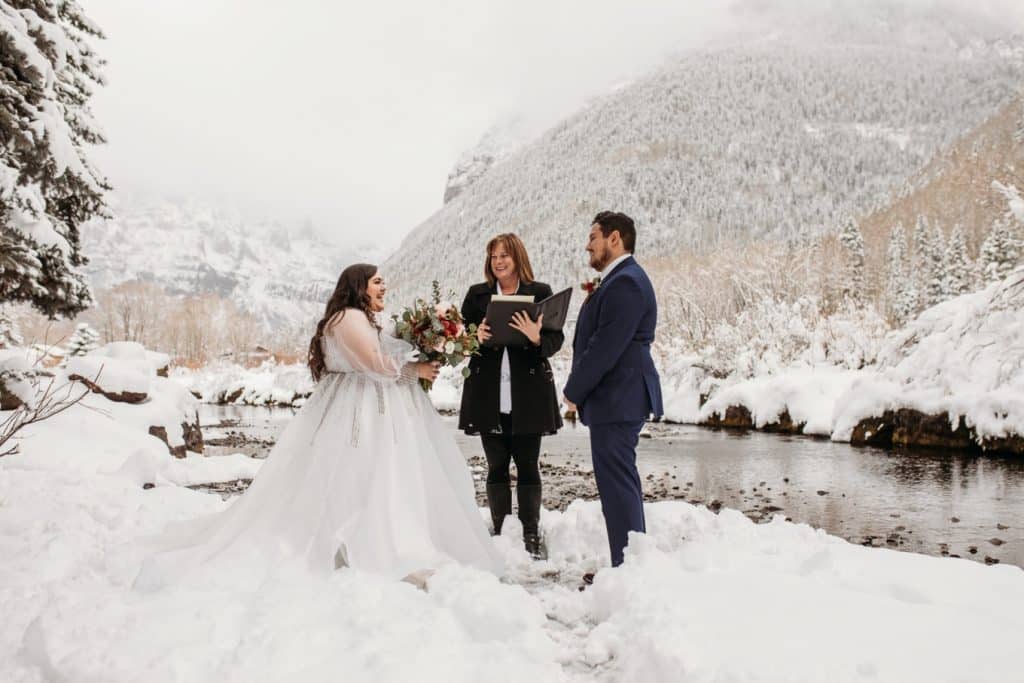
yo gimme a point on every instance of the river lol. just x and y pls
(921, 501)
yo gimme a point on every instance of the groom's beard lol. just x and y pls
(599, 260)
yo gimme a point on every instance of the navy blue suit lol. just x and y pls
(615, 387)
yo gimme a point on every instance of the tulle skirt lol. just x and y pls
(364, 476)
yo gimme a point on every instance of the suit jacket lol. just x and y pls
(534, 399)
(613, 377)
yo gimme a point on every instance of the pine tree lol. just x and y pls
(48, 187)
(8, 331)
(920, 262)
(853, 244)
(898, 287)
(935, 268)
(83, 340)
(1000, 252)
(959, 268)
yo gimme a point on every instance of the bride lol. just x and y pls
(364, 476)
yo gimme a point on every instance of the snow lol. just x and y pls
(701, 597)
(281, 274)
(963, 358)
(269, 383)
(808, 394)
(14, 365)
(288, 384)
(114, 375)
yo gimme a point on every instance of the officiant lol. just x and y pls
(509, 398)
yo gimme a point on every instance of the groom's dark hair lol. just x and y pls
(613, 221)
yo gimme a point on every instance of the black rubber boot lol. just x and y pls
(499, 499)
(529, 514)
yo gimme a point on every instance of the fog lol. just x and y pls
(352, 114)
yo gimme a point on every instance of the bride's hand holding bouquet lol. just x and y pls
(438, 333)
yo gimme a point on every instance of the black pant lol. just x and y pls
(502, 449)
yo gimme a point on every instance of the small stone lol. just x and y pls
(996, 541)
(1002, 527)
(954, 519)
(148, 486)
(973, 550)
(785, 479)
(991, 560)
(822, 493)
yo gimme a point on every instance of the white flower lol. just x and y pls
(449, 348)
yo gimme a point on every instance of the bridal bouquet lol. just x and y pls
(438, 332)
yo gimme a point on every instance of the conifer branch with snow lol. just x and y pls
(48, 186)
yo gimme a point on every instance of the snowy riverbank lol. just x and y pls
(701, 597)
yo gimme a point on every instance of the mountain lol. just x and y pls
(280, 275)
(776, 137)
(499, 142)
(960, 186)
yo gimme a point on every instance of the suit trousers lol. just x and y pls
(613, 449)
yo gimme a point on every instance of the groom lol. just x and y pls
(613, 383)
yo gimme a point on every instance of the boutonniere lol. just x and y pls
(590, 286)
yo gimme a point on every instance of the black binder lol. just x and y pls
(499, 314)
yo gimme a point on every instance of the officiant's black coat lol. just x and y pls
(534, 401)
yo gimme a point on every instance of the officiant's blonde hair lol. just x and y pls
(516, 249)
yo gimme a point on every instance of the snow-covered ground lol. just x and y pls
(702, 597)
(963, 358)
(271, 384)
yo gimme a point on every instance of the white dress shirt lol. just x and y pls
(505, 392)
(611, 266)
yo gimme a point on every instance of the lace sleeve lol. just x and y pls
(359, 342)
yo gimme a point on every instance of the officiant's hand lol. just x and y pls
(483, 332)
(428, 371)
(530, 328)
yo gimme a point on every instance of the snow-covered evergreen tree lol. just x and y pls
(9, 335)
(48, 187)
(83, 340)
(1000, 252)
(853, 245)
(935, 288)
(959, 268)
(920, 260)
(900, 294)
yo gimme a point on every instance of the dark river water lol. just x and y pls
(920, 501)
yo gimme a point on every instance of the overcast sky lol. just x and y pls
(349, 113)
(352, 114)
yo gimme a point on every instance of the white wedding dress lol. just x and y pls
(364, 476)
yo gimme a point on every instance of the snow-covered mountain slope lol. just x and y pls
(499, 142)
(959, 186)
(282, 276)
(776, 138)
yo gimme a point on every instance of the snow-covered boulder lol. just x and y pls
(952, 377)
(15, 385)
(121, 371)
(126, 375)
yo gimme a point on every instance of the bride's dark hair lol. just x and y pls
(350, 292)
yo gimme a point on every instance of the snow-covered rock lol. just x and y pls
(16, 387)
(963, 359)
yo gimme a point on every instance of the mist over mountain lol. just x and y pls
(801, 119)
(281, 274)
